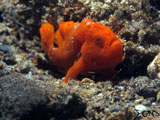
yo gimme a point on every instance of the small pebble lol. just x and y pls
(140, 108)
(86, 80)
(4, 48)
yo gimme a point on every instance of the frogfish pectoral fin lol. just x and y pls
(77, 68)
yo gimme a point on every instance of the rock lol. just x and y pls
(29, 99)
(19, 96)
(158, 96)
(153, 68)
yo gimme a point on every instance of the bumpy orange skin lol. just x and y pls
(78, 48)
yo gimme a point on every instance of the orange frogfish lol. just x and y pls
(81, 48)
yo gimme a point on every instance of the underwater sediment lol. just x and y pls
(30, 86)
